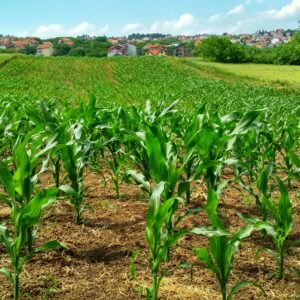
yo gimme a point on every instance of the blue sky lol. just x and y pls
(49, 18)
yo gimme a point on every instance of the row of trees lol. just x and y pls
(97, 47)
(221, 49)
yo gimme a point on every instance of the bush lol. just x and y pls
(221, 49)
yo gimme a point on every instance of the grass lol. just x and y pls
(5, 58)
(278, 75)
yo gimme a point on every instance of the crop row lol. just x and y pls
(135, 80)
(162, 150)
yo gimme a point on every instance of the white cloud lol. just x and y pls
(130, 28)
(286, 11)
(54, 30)
(236, 10)
(48, 30)
(82, 28)
(215, 17)
(184, 25)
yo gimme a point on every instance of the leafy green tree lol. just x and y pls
(221, 49)
(29, 50)
(61, 49)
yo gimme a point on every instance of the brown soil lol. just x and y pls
(96, 263)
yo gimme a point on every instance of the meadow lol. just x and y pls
(276, 75)
(132, 178)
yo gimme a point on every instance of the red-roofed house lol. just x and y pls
(45, 49)
(66, 41)
(155, 50)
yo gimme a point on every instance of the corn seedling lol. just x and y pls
(280, 226)
(25, 215)
(75, 155)
(158, 238)
(219, 256)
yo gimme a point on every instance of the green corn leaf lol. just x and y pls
(241, 285)
(68, 190)
(212, 207)
(7, 273)
(52, 245)
(294, 158)
(31, 212)
(140, 180)
(7, 180)
(245, 123)
(163, 251)
(204, 256)
(7, 241)
(285, 208)
(210, 231)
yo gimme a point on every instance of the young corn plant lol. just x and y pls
(25, 217)
(75, 155)
(111, 145)
(279, 227)
(190, 133)
(22, 177)
(158, 238)
(216, 141)
(219, 257)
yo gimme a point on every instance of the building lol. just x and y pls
(181, 51)
(66, 41)
(155, 50)
(45, 49)
(18, 45)
(122, 50)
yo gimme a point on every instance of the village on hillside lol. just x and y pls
(139, 44)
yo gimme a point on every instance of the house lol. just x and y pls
(112, 41)
(6, 43)
(122, 50)
(155, 50)
(18, 45)
(2, 45)
(45, 49)
(66, 41)
(181, 51)
(31, 41)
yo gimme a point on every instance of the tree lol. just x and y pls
(221, 49)
(28, 49)
(61, 49)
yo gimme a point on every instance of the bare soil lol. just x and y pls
(97, 261)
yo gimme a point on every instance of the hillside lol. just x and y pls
(134, 80)
(275, 75)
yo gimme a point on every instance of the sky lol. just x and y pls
(50, 18)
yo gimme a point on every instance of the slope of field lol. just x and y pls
(134, 80)
(287, 76)
(5, 58)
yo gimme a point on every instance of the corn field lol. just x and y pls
(185, 159)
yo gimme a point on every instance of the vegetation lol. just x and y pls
(221, 49)
(218, 135)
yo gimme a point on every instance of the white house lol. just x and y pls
(122, 50)
(45, 49)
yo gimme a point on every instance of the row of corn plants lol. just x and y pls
(163, 151)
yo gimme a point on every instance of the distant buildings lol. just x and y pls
(122, 50)
(178, 46)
